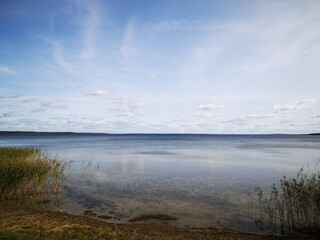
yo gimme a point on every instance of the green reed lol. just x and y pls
(291, 208)
(29, 172)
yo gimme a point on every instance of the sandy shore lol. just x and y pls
(57, 225)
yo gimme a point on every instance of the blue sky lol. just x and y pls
(160, 66)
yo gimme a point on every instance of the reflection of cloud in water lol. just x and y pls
(129, 164)
(155, 153)
(202, 180)
(101, 176)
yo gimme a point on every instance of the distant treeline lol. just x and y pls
(33, 132)
(88, 133)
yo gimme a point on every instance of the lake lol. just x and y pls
(203, 180)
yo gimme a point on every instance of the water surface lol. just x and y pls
(203, 180)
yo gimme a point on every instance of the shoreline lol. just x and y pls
(53, 225)
(2, 132)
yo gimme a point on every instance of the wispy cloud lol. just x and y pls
(175, 24)
(298, 105)
(278, 35)
(38, 110)
(98, 93)
(153, 77)
(4, 69)
(11, 96)
(113, 66)
(209, 107)
(129, 107)
(31, 99)
(54, 104)
(264, 115)
(60, 58)
(205, 110)
(253, 51)
(128, 47)
(91, 30)
(7, 114)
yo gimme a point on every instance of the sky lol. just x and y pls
(169, 66)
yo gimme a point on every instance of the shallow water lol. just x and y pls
(203, 180)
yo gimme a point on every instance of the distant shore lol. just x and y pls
(34, 132)
(93, 133)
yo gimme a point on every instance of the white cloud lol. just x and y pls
(265, 115)
(4, 69)
(128, 113)
(209, 107)
(99, 93)
(298, 105)
(203, 114)
(54, 104)
(125, 100)
(129, 108)
(31, 99)
(253, 60)
(206, 110)
(38, 110)
(153, 77)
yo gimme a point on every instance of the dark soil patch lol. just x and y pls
(147, 217)
(104, 217)
(90, 213)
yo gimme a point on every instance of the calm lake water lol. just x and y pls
(203, 180)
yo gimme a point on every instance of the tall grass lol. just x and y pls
(292, 207)
(29, 172)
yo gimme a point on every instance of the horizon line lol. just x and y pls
(139, 133)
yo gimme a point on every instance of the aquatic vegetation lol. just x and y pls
(29, 172)
(293, 207)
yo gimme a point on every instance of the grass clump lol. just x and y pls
(14, 236)
(20, 236)
(293, 207)
(28, 172)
